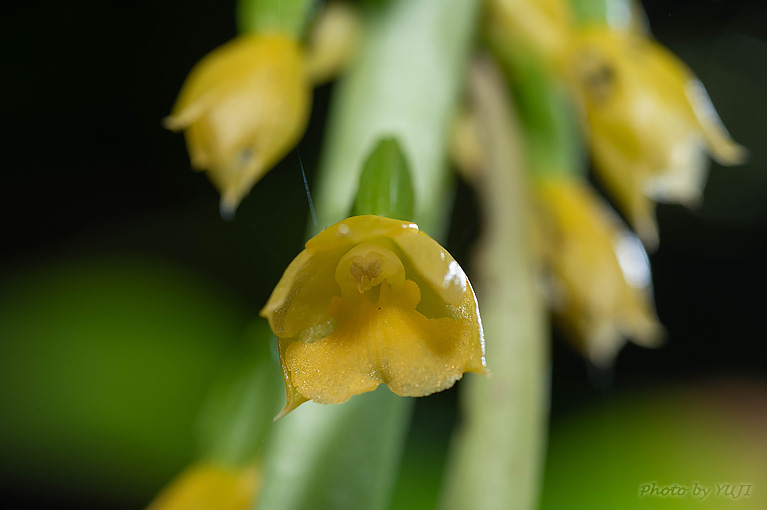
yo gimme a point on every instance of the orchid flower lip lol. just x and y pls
(373, 301)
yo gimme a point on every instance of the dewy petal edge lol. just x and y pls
(373, 300)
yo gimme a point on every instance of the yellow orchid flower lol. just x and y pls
(601, 276)
(209, 487)
(373, 300)
(650, 122)
(242, 108)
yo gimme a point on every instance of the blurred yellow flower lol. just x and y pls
(332, 41)
(373, 300)
(650, 123)
(208, 487)
(243, 107)
(600, 285)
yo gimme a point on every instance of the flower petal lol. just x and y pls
(720, 144)
(349, 314)
(208, 487)
(387, 343)
(605, 280)
(301, 298)
(650, 123)
(432, 262)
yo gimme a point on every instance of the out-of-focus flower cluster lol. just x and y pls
(646, 119)
(372, 300)
(648, 124)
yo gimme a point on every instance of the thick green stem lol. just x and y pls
(498, 457)
(405, 85)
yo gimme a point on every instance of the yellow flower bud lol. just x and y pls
(601, 277)
(208, 487)
(373, 300)
(650, 123)
(242, 108)
(333, 41)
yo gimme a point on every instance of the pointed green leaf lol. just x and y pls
(385, 186)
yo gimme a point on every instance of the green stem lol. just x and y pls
(498, 457)
(405, 84)
(550, 129)
(284, 16)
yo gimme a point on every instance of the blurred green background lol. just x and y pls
(124, 295)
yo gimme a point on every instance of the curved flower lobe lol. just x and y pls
(373, 300)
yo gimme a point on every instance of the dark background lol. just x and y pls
(89, 170)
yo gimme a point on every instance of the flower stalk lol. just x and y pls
(498, 454)
(283, 16)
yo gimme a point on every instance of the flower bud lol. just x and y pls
(242, 108)
(600, 274)
(209, 487)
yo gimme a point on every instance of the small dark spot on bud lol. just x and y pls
(245, 156)
(598, 76)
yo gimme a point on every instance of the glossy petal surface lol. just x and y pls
(373, 300)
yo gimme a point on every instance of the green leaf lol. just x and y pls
(286, 16)
(385, 187)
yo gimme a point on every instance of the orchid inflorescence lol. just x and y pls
(373, 299)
